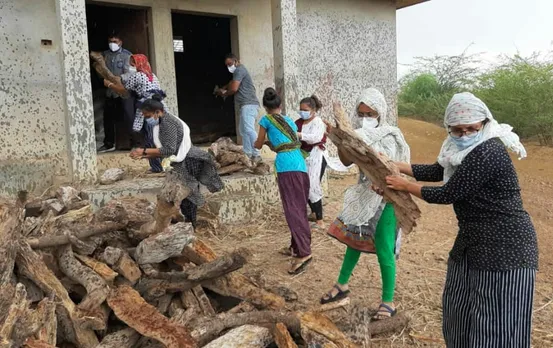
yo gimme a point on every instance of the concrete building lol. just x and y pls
(47, 91)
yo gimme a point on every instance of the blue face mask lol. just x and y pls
(305, 115)
(152, 121)
(466, 141)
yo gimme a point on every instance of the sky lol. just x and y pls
(490, 27)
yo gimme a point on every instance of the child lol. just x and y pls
(311, 131)
(293, 181)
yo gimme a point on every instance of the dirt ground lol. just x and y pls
(422, 264)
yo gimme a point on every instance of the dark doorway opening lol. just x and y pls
(132, 25)
(200, 45)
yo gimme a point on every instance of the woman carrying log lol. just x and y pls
(367, 224)
(489, 288)
(171, 137)
(311, 132)
(142, 81)
(292, 178)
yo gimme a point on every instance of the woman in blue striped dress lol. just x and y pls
(489, 288)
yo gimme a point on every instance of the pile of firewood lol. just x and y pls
(230, 158)
(125, 276)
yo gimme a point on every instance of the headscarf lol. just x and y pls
(142, 65)
(361, 203)
(465, 108)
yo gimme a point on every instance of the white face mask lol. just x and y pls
(369, 122)
(132, 69)
(305, 115)
(114, 47)
(232, 69)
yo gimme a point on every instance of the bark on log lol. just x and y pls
(85, 232)
(144, 318)
(282, 337)
(125, 338)
(96, 288)
(31, 266)
(101, 268)
(139, 210)
(235, 285)
(376, 167)
(122, 263)
(99, 64)
(169, 243)
(321, 325)
(244, 336)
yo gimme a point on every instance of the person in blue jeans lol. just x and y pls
(245, 98)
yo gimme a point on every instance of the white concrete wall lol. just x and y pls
(33, 138)
(345, 46)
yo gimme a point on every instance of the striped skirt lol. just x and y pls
(485, 309)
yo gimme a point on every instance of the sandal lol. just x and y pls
(384, 308)
(287, 252)
(299, 267)
(328, 298)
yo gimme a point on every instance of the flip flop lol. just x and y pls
(301, 267)
(387, 309)
(340, 295)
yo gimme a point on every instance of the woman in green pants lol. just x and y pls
(367, 224)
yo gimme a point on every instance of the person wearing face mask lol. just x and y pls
(491, 272)
(292, 178)
(245, 98)
(367, 224)
(192, 165)
(117, 109)
(144, 84)
(311, 132)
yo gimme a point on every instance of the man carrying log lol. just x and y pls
(117, 108)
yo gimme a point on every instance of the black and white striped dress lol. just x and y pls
(489, 289)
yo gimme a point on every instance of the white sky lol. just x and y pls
(447, 27)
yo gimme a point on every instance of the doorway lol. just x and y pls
(200, 44)
(131, 24)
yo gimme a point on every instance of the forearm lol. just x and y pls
(229, 92)
(152, 153)
(415, 189)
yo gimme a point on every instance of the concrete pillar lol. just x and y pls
(163, 55)
(79, 111)
(285, 48)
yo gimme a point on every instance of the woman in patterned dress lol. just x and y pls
(311, 132)
(491, 271)
(367, 224)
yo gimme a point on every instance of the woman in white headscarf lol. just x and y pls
(367, 224)
(489, 289)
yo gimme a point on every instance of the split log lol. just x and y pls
(57, 240)
(321, 325)
(375, 166)
(234, 285)
(139, 210)
(99, 64)
(206, 329)
(122, 263)
(49, 330)
(241, 308)
(125, 338)
(224, 144)
(282, 337)
(204, 302)
(31, 266)
(333, 305)
(15, 311)
(169, 243)
(96, 288)
(31, 321)
(34, 293)
(232, 168)
(243, 336)
(101, 268)
(129, 307)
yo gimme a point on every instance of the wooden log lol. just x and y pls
(203, 300)
(169, 243)
(122, 263)
(242, 307)
(224, 144)
(244, 336)
(10, 233)
(375, 166)
(48, 332)
(206, 329)
(139, 210)
(99, 64)
(96, 288)
(332, 305)
(31, 266)
(34, 293)
(235, 285)
(33, 343)
(15, 311)
(57, 240)
(262, 168)
(31, 321)
(282, 337)
(125, 338)
(231, 168)
(129, 307)
(323, 326)
(101, 268)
